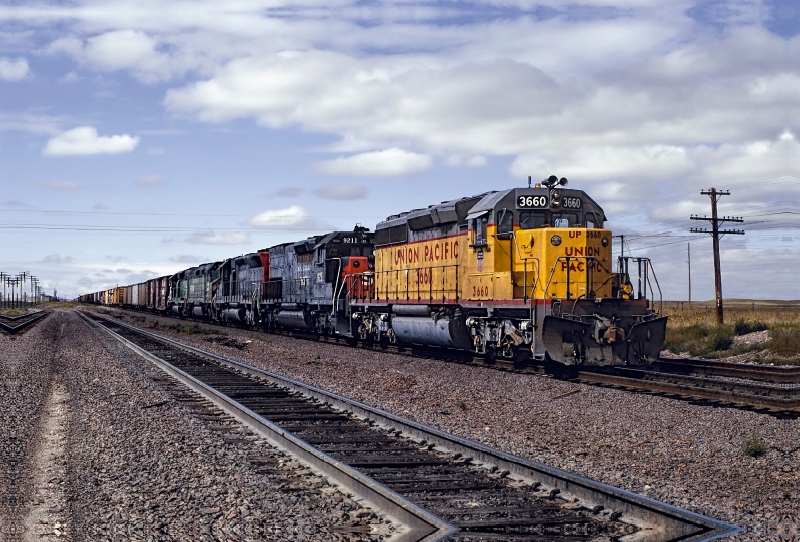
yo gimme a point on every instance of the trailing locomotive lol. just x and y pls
(523, 274)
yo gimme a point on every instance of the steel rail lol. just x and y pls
(17, 318)
(417, 525)
(659, 521)
(18, 326)
(767, 373)
(784, 400)
(786, 407)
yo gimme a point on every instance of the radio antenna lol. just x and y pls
(529, 181)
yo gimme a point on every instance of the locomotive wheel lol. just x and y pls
(522, 357)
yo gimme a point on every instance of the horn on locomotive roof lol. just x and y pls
(552, 181)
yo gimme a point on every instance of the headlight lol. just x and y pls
(604, 241)
(555, 240)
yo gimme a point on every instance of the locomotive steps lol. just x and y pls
(595, 505)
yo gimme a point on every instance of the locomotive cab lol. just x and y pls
(553, 254)
(312, 282)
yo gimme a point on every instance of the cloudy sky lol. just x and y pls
(144, 139)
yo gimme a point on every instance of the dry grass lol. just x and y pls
(13, 313)
(704, 312)
(693, 329)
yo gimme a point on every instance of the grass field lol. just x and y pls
(693, 328)
(13, 313)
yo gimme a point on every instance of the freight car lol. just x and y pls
(523, 274)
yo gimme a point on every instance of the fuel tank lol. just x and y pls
(295, 319)
(198, 311)
(411, 310)
(444, 331)
(234, 315)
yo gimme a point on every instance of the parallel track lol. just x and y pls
(485, 493)
(767, 373)
(781, 401)
(13, 325)
(694, 380)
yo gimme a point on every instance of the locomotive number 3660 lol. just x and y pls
(480, 291)
(531, 202)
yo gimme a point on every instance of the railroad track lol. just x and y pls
(781, 401)
(13, 325)
(702, 382)
(482, 493)
(767, 373)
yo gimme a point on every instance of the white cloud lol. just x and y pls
(31, 123)
(13, 70)
(189, 259)
(469, 161)
(342, 192)
(126, 49)
(151, 181)
(211, 237)
(56, 259)
(530, 90)
(60, 186)
(84, 140)
(289, 192)
(120, 49)
(71, 77)
(590, 163)
(389, 162)
(636, 98)
(291, 217)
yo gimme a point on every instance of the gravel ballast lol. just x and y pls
(688, 455)
(127, 454)
(26, 371)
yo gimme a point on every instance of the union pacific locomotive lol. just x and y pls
(524, 274)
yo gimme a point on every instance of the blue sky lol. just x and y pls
(144, 139)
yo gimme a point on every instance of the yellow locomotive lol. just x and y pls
(524, 273)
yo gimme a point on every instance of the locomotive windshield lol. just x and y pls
(530, 220)
(565, 220)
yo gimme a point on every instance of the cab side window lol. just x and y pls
(481, 231)
(505, 221)
(592, 220)
(478, 229)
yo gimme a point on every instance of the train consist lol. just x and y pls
(523, 274)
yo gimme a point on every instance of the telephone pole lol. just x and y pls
(689, 261)
(716, 233)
